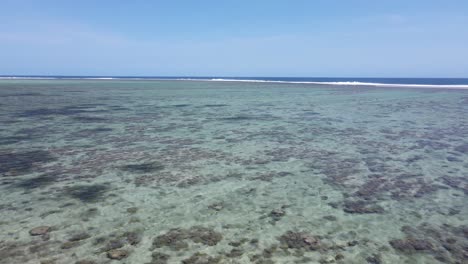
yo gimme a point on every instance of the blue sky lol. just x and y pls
(352, 38)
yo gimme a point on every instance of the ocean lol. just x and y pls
(102, 169)
(376, 82)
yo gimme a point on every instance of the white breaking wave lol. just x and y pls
(349, 83)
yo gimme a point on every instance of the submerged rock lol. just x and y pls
(132, 210)
(79, 236)
(462, 148)
(159, 258)
(70, 244)
(269, 251)
(174, 238)
(276, 214)
(143, 167)
(201, 258)
(235, 253)
(37, 182)
(117, 254)
(89, 213)
(445, 243)
(370, 189)
(326, 260)
(339, 256)
(15, 163)
(40, 230)
(299, 240)
(330, 218)
(85, 261)
(361, 207)
(238, 243)
(216, 206)
(453, 159)
(87, 193)
(133, 238)
(48, 261)
(114, 244)
(410, 245)
(374, 259)
(204, 235)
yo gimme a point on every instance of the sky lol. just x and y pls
(314, 38)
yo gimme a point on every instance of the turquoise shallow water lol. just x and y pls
(219, 172)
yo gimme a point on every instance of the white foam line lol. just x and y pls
(451, 86)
